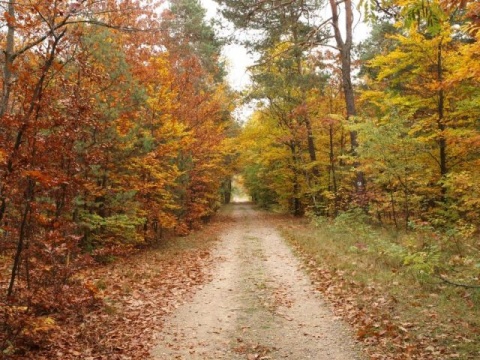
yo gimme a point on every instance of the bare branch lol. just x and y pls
(450, 282)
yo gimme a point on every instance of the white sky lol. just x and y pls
(236, 55)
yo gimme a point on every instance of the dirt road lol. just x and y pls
(259, 304)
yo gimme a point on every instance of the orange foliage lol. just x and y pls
(106, 143)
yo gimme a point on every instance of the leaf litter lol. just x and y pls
(130, 299)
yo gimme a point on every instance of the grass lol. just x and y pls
(384, 284)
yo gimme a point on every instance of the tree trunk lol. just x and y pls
(332, 172)
(442, 143)
(311, 146)
(9, 57)
(305, 119)
(21, 237)
(392, 205)
(345, 49)
(297, 204)
(227, 191)
(7, 80)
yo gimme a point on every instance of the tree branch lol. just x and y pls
(450, 282)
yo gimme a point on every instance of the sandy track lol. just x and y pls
(259, 304)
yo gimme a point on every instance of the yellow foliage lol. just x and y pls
(44, 323)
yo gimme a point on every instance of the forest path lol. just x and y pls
(259, 304)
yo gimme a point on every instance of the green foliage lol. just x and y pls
(409, 252)
(423, 263)
(189, 28)
(118, 228)
(258, 188)
(424, 15)
(354, 222)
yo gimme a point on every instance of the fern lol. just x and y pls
(423, 263)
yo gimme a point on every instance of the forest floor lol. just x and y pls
(235, 290)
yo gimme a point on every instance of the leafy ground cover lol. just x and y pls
(398, 309)
(128, 299)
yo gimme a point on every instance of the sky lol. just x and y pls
(236, 55)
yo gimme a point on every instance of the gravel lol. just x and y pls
(259, 304)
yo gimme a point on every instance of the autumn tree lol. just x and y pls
(271, 159)
(203, 107)
(96, 116)
(286, 33)
(419, 92)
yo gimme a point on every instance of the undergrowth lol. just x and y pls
(410, 295)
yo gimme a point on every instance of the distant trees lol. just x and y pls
(403, 145)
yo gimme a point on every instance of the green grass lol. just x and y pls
(391, 278)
